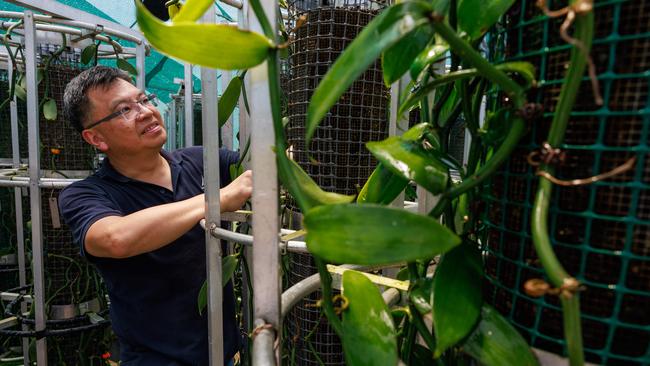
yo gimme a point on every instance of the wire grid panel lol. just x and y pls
(337, 158)
(62, 148)
(70, 280)
(600, 232)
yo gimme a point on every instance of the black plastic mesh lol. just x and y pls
(62, 148)
(337, 158)
(600, 232)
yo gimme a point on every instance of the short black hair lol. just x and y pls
(76, 105)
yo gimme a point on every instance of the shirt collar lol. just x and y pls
(108, 171)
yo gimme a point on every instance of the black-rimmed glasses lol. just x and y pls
(129, 110)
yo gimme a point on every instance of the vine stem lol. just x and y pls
(465, 51)
(584, 28)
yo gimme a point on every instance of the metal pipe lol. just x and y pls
(263, 344)
(293, 246)
(188, 103)
(66, 30)
(234, 3)
(34, 189)
(140, 66)
(18, 203)
(266, 256)
(60, 10)
(212, 201)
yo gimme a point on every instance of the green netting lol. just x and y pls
(600, 232)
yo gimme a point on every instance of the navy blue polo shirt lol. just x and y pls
(154, 295)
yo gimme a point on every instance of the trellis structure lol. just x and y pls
(64, 320)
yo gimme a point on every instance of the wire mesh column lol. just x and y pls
(337, 158)
(601, 231)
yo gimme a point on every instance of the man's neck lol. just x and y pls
(150, 167)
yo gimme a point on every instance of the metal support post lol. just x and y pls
(170, 118)
(18, 203)
(34, 189)
(213, 209)
(266, 256)
(188, 111)
(226, 130)
(139, 65)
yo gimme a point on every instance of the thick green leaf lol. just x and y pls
(382, 187)
(235, 170)
(229, 99)
(369, 336)
(126, 66)
(303, 189)
(88, 53)
(395, 61)
(382, 32)
(422, 296)
(373, 234)
(410, 160)
(228, 267)
(475, 17)
(192, 10)
(457, 295)
(213, 45)
(495, 342)
(20, 92)
(431, 54)
(49, 109)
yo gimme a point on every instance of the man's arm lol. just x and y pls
(155, 227)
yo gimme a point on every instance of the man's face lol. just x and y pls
(144, 130)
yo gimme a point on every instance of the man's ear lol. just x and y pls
(96, 139)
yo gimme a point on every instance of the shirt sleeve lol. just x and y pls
(81, 205)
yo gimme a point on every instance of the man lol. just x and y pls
(137, 219)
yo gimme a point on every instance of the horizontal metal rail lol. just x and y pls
(75, 32)
(74, 23)
(294, 246)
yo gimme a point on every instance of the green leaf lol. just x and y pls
(422, 296)
(20, 92)
(229, 99)
(421, 356)
(430, 55)
(382, 187)
(126, 66)
(303, 189)
(235, 170)
(213, 45)
(495, 342)
(410, 160)
(524, 69)
(369, 336)
(475, 17)
(373, 234)
(228, 267)
(457, 295)
(88, 53)
(192, 10)
(395, 61)
(202, 300)
(382, 32)
(49, 109)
